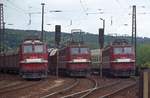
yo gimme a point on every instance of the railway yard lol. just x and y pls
(12, 86)
(69, 62)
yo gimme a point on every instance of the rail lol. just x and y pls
(62, 90)
(112, 85)
(84, 92)
(117, 91)
(18, 86)
(101, 87)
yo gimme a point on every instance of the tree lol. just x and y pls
(143, 55)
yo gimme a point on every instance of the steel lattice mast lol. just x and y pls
(134, 30)
(134, 25)
(1, 28)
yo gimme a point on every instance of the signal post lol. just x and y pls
(101, 43)
(57, 43)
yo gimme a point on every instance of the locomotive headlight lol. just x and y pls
(80, 60)
(34, 60)
(123, 60)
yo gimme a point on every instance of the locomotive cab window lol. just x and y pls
(27, 49)
(84, 50)
(127, 50)
(38, 48)
(124, 50)
(118, 50)
(74, 50)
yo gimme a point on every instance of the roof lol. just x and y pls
(32, 42)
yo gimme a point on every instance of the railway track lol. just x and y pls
(93, 87)
(126, 92)
(109, 95)
(85, 93)
(51, 89)
(60, 89)
(17, 86)
(8, 81)
(78, 86)
(8, 85)
(107, 90)
(31, 89)
(104, 91)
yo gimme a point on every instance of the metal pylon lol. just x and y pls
(134, 32)
(134, 25)
(1, 28)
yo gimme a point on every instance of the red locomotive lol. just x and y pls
(119, 58)
(33, 59)
(74, 60)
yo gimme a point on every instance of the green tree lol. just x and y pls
(143, 55)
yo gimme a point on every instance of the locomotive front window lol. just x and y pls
(128, 50)
(38, 49)
(118, 50)
(84, 50)
(27, 49)
(74, 50)
(125, 50)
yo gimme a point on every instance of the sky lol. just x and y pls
(79, 14)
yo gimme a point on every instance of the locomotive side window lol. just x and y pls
(38, 49)
(118, 50)
(127, 50)
(27, 49)
(74, 50)
(84, 50)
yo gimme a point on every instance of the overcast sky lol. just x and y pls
(79, 14)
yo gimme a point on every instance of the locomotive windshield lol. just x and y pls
(79, 50)
(118, 50)
(33, 49)
(84, 50)
(27, 49)
(125, 50)
(38, 49)
(74, 50)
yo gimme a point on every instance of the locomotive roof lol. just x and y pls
(112, 46)
(32, 42)
(76, 45)
(120, 41)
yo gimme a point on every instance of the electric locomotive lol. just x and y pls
(33, 59)
(72, 58)
(118, 58)
(75, 59)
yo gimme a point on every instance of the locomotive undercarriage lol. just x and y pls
(34, 75)
(122, 73)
